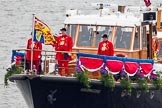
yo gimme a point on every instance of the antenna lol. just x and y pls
(140, 6)
(101, 7)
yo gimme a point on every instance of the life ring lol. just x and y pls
(155, 47)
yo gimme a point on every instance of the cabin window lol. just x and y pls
(123, 37)
(86, 35)
(103, 30)
(137, 39)
(71, 29)
(144, 38)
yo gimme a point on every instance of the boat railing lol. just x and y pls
(95, 64)
(47, 62)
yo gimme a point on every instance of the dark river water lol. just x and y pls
(16, 26)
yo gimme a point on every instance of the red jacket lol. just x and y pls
(106, 48)
(36, 46)
(63, 43)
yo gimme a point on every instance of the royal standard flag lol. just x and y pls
(42, 33)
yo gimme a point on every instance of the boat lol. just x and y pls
(131, 34)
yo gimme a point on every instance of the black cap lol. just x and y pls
(105, 36)
(63, 29)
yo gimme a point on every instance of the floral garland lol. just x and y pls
(142, 82)
(82, 77)
(126, 83)
(108, 80)
(158, 80)
(14, 70)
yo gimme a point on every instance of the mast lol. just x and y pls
(101, 7)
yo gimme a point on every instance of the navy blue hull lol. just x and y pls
(61, 92)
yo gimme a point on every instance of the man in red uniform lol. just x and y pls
(36, 54)
(106, 47)
(63, 43)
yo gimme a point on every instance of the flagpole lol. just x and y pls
(32, 36)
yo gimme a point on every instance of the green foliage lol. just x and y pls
(108, 80)
(10, 72)
(83, 78)
(126, 83)
(158, 82)
(142, 82)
